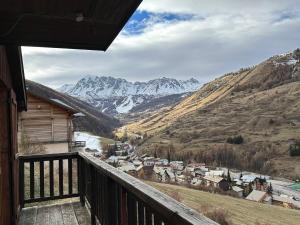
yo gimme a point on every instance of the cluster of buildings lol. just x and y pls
(253, 187)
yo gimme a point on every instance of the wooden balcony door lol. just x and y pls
(9, 200)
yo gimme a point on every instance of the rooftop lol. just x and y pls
(256, 195)
(215, 179)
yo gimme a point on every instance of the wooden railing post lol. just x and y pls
(70, 176)
(51, 178)
(131, 209)
(21, 183)
(61, 177)
(31, 177)
(81, 179)
(123, 207)
(93, 194)
(112, 202)
(42, 191)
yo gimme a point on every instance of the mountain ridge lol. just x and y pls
(116, 95)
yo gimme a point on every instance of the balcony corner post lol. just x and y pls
(21, 183)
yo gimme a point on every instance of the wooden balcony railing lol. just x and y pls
(114, 197)
(37, 191)
(78, 143)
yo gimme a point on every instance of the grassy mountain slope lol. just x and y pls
(240, 211)
(93, 121)
(261, 103)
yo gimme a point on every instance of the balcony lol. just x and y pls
(100, 194)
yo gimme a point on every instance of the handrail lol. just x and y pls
(45, 156)
(171, 211)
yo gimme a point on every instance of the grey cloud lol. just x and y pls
(203, 49)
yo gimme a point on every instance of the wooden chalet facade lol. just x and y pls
(114, 197)
(46, 120)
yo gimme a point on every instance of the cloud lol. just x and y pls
(181, 39)
(212, 7)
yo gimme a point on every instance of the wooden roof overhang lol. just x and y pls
(15, 63)
(57, 103)
(76, 24)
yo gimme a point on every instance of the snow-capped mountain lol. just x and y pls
(116, 95)
(66, 88)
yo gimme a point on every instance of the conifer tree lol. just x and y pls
(155, 153)
(228, 176)
(169, 156)
(270, 189)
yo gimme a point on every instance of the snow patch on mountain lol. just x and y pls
(126, 105)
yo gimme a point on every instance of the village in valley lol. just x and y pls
(240, 184)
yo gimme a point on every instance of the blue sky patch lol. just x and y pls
(285, 15)
(142, 19)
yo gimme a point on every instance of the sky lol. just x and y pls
(178, 39)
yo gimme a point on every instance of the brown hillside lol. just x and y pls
(261, 103)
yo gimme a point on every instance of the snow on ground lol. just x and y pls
(92, 141)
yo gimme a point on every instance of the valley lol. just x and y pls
(260, 104)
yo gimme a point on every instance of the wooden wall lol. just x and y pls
(45, 122)
(9, 203)
(5, 77)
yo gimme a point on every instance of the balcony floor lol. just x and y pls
(63, 214)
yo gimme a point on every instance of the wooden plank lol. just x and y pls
(112, 202)
(31, 179)
(94, 195)
(28, 216)
(43, 216)
(123, 207)
(42, 191)
(149, 220)
(68, 214)
(157, 219)
(81, 214)
(70, 181)
(131, 209)
(51, 181)
(56, 217)
(45, 157)
(21, 184)
(61, 177)
(81, 180)
(141, 213)
(51, 198)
